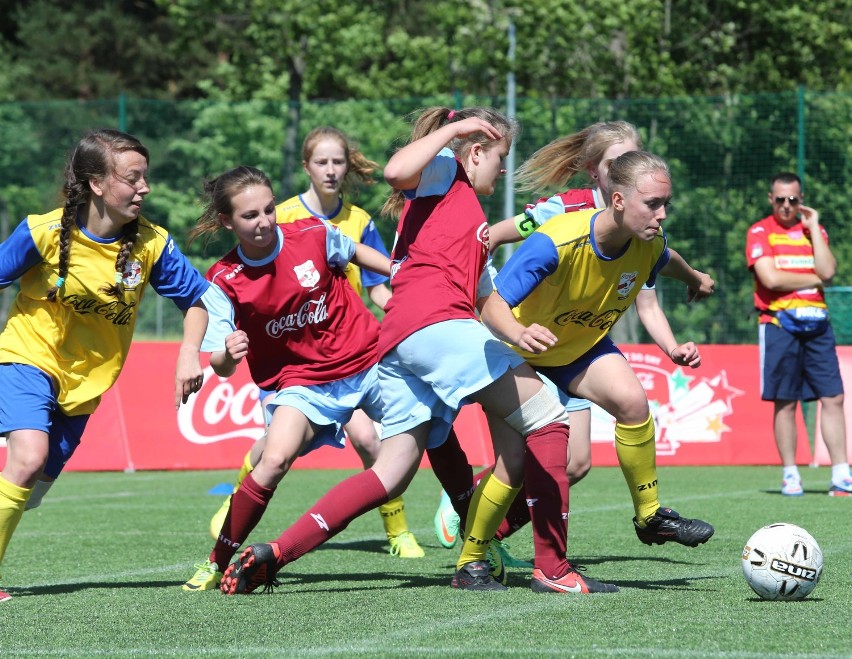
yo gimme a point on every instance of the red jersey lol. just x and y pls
(440, 253)
(306, 325)
(579, 199)
(790, 250)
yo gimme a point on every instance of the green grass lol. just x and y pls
(97, 571)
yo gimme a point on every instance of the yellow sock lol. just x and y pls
(393, 517)
(637, 456)
(245, 470)
(488, 507)
(13, 500)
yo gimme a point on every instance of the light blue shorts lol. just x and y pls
(28, 402)
(571, 404)
(430, 375)
(330, 405)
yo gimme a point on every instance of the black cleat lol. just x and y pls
(667, 526)
(476, 576)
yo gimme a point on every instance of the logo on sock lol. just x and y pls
(320, 521)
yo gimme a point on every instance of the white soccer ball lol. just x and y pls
(782, 562)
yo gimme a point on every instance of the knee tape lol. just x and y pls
(39, 490)
(540, 410)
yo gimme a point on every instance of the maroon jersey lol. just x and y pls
(440, 253)
(306, 325)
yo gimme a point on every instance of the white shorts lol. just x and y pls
(430, 375)
(330, 405)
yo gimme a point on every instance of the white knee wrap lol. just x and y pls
(39, 490)
(540, 410)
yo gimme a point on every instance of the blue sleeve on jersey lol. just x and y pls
(544, 210)
(665, 255)
(339, 247)
(437, 178)
(372, 238)
(174, 277)
(535, 259)
(18, 253)
(221, 322)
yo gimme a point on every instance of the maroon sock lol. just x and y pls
(248, 504)
(546, 485)
(451, 468)
(331, 514)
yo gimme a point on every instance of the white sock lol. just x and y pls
(839, 473)
(792, 473)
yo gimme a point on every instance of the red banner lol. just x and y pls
(712, 415)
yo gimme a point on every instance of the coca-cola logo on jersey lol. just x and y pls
(310, 313)
(221, 411)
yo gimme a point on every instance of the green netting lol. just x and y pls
(839, 299)
(722, 152)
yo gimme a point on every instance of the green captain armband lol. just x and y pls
(525, 224)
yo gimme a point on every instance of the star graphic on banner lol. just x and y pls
(680, 380)
(715, 425)
(722, 391)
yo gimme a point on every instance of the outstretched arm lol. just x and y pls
(189, 376)
(654, 319)
(699, 284)
(371, 259)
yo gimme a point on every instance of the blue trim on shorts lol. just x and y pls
(798, 368)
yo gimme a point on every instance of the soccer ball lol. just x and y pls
(782, 562)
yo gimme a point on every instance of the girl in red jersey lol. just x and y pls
(435, 354)
(281, 301)
(336, 168)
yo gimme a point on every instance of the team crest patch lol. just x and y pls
(307, 274)
(132, 275)
(626, 284)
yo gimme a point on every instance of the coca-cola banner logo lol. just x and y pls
(223, 409)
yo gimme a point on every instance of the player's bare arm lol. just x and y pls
(189, 376)
(498, 318)
(371, 259)
(224, 362)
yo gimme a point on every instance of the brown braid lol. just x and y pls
(92, 159)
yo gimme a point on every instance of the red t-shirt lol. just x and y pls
(440, 253)
(306, 325)
(791, 250)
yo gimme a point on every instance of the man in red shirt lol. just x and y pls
(791, 261)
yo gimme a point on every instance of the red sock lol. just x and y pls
(451, 468)
(248, 504)
(331, 514)
(546, 485)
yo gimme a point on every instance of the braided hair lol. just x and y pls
(93, 158)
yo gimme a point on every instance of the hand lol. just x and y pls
(236, 345)
(189, 376)
(810, 218)
(472, 125)
(535, 338)
(704, 288)
(686, 354)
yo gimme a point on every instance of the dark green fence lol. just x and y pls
(722, 151)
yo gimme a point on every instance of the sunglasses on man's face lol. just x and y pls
(794, 201)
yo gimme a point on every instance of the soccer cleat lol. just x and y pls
(841, 489)
(207, 577)
(4, 597)
(507, 558)
(495, 561)
(446, 522)
(255, 567)
(792, 487)
(666, 525)
(476, 576)
(571, 582)
(405, 545)
(219, 518)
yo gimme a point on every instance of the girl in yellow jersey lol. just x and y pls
(83, 269)
(576, 276)
(335, 168)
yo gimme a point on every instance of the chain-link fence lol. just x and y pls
(722, 152)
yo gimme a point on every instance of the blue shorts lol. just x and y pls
(431, 374)
(28, 402)
(330, 405)
(795, 368)
(563, 375)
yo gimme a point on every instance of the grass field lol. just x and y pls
(96, 571)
